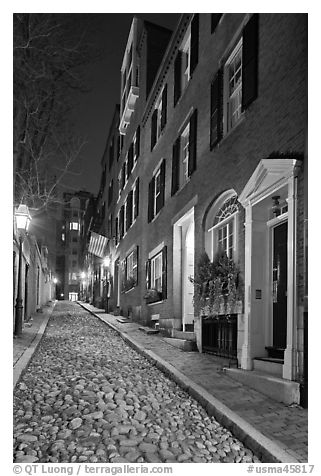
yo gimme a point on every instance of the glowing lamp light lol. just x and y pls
(83, 275)
(106, 261)
(55, 280)
(23, 217)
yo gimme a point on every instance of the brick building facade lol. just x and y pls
(212, 157)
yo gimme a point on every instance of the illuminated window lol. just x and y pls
(74, 225)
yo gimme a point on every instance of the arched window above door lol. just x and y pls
(221, 225)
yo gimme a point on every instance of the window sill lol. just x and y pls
(155, 302)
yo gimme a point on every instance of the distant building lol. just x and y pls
(213, 159)
(70, 243)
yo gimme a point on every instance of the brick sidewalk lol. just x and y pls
(29, 333)
(287, 426)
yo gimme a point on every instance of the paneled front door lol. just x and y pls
(280, 276)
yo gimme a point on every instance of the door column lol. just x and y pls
(289, 367)
(246, 360)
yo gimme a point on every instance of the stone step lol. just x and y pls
(279, 389)
(148, 330)
(183, 344)
(123, 320)
(269, 366)
(184, 335)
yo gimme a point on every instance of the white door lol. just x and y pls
(187, 272)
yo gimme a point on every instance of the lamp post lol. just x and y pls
(23, 220)
(106, 265)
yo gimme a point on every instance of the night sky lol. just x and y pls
(93, 111)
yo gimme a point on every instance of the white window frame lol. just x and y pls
(74, 225)
(130, 266)
(134, 150)
(215, 236)
(156, 194)
(184, 155)
(186, 53)
(134, 188)
(157, 278)
(236, 96)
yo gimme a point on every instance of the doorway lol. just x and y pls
(279, 284)
(187, 273)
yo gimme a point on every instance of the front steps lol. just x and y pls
(269, 365)
(279, 389)
(183, 344)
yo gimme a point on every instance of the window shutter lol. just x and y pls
(153, 129)
(215, 19)
(194, 42)
(121, 220)
(151, 188)
(137, 143)
(135, 265)
(177, 76)
(164, 272)
(148, 274)
(137, 198)
(175, 166)
(129, 210)
(130, 162)
(162, 185)
(216, 122)
(250, 62)
(164, 107)
(192, 147)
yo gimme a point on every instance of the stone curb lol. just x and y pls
(264, 448)
(22, 363)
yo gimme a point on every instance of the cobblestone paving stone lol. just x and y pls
(87, 396)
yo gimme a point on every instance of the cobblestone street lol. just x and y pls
(88, 396)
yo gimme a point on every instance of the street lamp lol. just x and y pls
(23, 220)
(106, 264)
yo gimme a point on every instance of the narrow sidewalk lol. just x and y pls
(274, 431)
(25, 345)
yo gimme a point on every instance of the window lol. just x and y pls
(130, 160)
(159, 117)
(224, 227)
(156, 272)
(156, 192)
(129, 210)
(186, 58)
(74, 239)
(129, 270)
(111, 152)
(74, 251)
(184, 154)
(137, 144)
(136, 199)
(62, 237)
(74, 225)
(234, 86)
(156, 275)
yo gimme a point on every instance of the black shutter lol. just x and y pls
(216, 122)
(129, 210)
(194, 42)
(137, 143)
(151, 193)
(164, 272)
(148, 274)
(137, 198)
(164, 107)
(121, 221)
(161, 197)
(135, 265)
(192, 146)
(250, 61)
(177, 76)
(130, 160)
(175, 166)
(122, 275)
(215, 18)
(153, 129)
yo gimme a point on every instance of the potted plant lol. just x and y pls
(129, 283)
(152, 295)
(218, 287)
